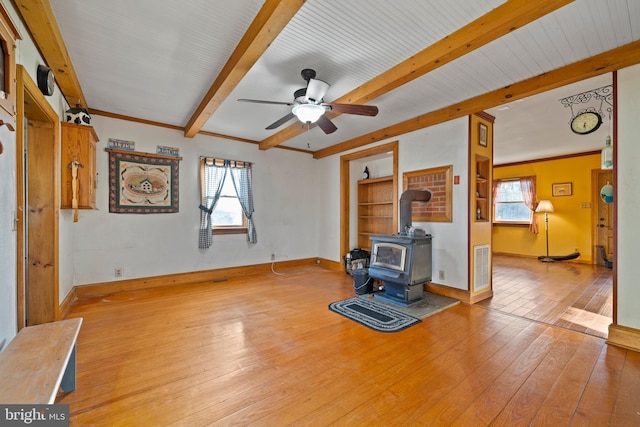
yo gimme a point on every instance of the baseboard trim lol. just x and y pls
(67, 303)
(108, 288)
(331, 265)
(514, 255)
(624, 336)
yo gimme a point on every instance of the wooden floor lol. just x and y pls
(265, 350)
(571, 295)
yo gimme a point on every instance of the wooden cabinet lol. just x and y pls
(78, 144)
(482, 208)
(376, 207)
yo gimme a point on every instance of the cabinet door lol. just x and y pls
(78, 144)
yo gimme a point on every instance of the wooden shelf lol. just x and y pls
(375, 209)
(482, 209)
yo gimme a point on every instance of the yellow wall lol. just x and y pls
(570, 226)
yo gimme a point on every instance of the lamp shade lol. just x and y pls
(308, 113)
(545, 206)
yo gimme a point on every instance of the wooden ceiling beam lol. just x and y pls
(268, 23)
(40, 20)
(607, 62)
(500, 21)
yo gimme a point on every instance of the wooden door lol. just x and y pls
(603, 219)
(38, 195)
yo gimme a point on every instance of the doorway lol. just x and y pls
(345, 187)
(37, 188)
(602, 219)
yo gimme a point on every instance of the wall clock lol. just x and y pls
(46, 80)
(586, 122)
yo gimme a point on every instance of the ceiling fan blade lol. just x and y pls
(258, 101)
(326, 125)
(363, 110)
(280, 121)
(316, 89)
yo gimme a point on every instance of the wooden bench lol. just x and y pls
(38, 361)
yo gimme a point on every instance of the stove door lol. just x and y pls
(389, 255)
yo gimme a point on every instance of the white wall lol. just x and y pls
(628, 197)
(286, 211)
(28, 56)
(442, 145)
(8, 314)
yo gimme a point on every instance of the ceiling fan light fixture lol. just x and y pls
(308, 113)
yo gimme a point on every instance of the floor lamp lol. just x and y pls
(546, 206)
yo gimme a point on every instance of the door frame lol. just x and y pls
(345, 196)
(32, 105)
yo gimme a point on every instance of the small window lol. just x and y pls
(228, 217)
(509, 204)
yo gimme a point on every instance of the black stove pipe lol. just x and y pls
(405, 206)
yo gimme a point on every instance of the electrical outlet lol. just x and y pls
(440, 274)
(117, 272)
(273, 257)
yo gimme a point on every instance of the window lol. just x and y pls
(510, 206)
(227, 217)
(226, 192)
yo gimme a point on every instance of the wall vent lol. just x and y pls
(481, 267)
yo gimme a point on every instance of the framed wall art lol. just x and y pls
(439, 182)
(561, 189)
(143, 183)
(482, 134)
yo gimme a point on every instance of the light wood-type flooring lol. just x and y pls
(264, 350)
(575, 296)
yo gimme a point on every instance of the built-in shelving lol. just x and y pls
(482, 211)
(375, 209)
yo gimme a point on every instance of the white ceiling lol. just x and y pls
(155, 60)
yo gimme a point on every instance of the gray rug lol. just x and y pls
(431, 304)
(375, 316)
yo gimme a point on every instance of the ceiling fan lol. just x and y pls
(308, 105)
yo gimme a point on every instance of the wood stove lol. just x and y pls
(403, 261)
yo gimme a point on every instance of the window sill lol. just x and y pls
(514, 223)
(230, 230)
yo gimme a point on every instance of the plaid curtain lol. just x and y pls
(242, 181)
(212, 173)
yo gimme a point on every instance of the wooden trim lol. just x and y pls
(500, 21)
(447, 216)
(606, 62)
(41, 22)
(268, 23)
(546, 159)
(460, 294)
(624, 336)
(9, 35)
(345, 196)
(181, 129)
(330, 265)
(31, 103)
(140, 153)
(108, 288)
(68, 302)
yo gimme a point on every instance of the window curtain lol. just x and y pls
(528, 187)
(242, 182)
(212, 174)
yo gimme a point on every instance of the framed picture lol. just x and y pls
(482, 134)
(143, 183)
(561, 189)
(439, 182)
